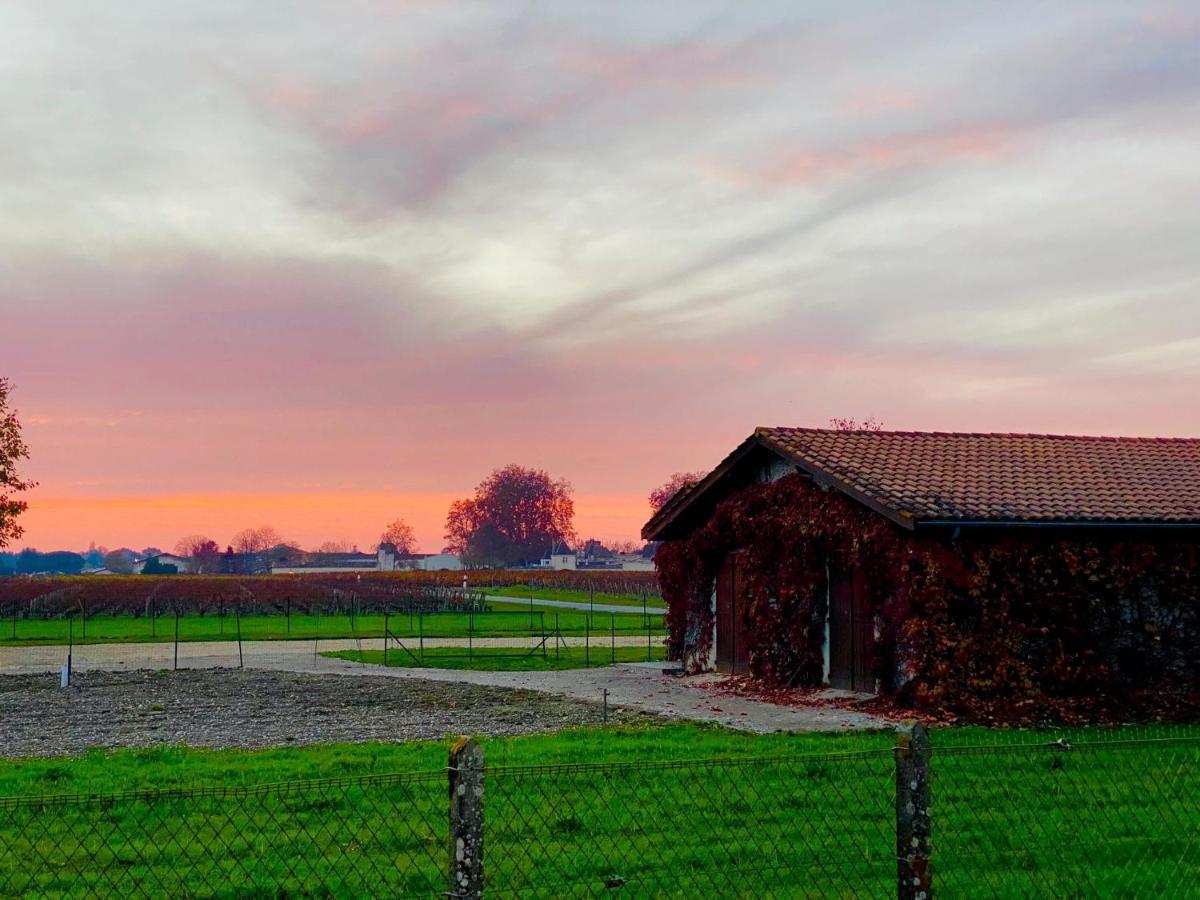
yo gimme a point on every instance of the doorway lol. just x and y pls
(733, 644)
(851, 634)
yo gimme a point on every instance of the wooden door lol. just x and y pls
(851, 634)
(725, 617)
(733, 641)
(741, 620)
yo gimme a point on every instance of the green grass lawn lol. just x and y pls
(506, 618)
(763, 814)
(507, 659)
(523, 591)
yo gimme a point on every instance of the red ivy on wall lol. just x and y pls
(999, 626)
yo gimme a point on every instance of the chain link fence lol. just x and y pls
(310, 640)
(1062, 818)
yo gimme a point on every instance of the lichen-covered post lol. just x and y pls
(466, 818)
(914, 878)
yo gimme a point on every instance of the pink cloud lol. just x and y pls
(969, 144)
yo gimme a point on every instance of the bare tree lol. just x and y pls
(189, 544)
(401, 535)
(335, 547)
(203, 552)
(680, 481)
(256, 540)
(625, 546)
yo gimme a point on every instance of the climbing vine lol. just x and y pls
(988, 625)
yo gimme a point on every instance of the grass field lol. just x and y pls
(783, 814)
(506, 618)
(523, 591)
(508, 659)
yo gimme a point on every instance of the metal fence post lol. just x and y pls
(176, 663)
(466, 818)
(914, 878)
(237, 614)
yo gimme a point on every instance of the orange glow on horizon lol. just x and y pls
(71, 523)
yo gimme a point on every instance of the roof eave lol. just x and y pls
(1054, 523)
(677, 504)
(681, 501)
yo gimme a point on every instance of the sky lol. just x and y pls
(322, 264)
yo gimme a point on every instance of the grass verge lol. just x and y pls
(523, 591)
(504, 619)
(763, 814)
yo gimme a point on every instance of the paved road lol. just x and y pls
(639, 685)
(570, 604)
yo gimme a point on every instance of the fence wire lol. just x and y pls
(792, 826)
(377, 836)
(1063, 818)
(1102, 818)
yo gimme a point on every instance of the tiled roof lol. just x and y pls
(1005, 477)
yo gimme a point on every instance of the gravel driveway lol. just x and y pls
(256, 708)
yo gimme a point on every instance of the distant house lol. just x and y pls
(385, 559)
(182, 564)
(392, 561)
(312, 563)
(955, 569)
(616, 562)
(633, 562)
(559, 562)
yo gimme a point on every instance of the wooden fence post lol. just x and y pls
(466, 818)
(914, 878)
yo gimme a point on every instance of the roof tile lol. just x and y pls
(1007, 477)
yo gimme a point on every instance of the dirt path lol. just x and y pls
(256, 708)
(641, 686)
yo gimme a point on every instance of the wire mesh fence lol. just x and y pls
(1063, 818)
(1084, 818)
(800, 826)
(317, 640)
(374, 836)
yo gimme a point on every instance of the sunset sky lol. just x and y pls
(321, 264)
